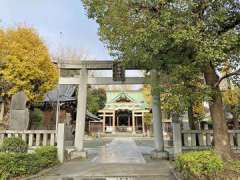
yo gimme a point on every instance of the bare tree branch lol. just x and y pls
(237, 72)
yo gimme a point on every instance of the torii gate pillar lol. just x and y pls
(81, 110)
(82, 82)
(159, 152)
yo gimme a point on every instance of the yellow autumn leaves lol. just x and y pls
(25, 64)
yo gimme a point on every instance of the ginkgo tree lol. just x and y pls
(231, 98)
(25, 64)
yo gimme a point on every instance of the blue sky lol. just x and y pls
(49, 18)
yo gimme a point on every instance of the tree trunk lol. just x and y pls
(235, 117)
(220, 130)
(6, 113)
(193, 123)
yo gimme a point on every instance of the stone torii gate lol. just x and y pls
(83, 80)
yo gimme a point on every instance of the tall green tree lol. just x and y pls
(96, 100)
(162, 34)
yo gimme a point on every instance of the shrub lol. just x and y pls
(36, 117)
(199, 165)
(17, 164)
(22, 164)
(14, 144)
(47, 156)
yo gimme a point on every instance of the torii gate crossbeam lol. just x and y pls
(83, 80)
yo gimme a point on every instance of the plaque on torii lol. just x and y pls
(118, 71)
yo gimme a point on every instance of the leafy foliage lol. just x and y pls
(14, 144)
(148, 118)
(36, 116)
(96, 100)
(25, 64)
(48, 156)
(232, 96)
(22, 164)
(17, 164)
(199, 165)
(180, 37)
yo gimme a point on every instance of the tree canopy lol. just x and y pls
(197, 37)
(25, 64)
(96, 100)
(161, 33)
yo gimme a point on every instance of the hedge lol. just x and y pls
(23, 164)
(199, 165)
(14, 144)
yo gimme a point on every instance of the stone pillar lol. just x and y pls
(114, 123)
(104, 122)
(117, 121)
(177, 137)
(205, 126)
(157, 124)
(60, 141)
(159, 152)
(133, 123)
(143, 124)
(128, 120)
(81, 110)
(156, 110)
(110, 121)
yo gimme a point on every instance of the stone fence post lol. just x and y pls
(60, 141)
(177, 137)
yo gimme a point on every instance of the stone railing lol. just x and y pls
(184, 140)
(202, 139)
(33, 138)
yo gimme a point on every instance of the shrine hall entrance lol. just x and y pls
(124, 120)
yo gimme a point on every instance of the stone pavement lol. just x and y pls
(120, 150)
(121, 159)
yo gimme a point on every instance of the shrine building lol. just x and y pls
(124, 112)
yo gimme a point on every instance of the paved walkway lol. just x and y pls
(120, 158)
(120, 150)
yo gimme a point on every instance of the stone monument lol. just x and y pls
(19, 114)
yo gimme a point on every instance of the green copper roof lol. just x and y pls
(125, 100)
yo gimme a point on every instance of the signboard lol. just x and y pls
(118, 71)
